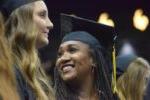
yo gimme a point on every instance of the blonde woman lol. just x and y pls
(132, 84)
(7, 79)
(27, 28)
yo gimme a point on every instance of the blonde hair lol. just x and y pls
(22, 34)
(7, 77)
(133, 83)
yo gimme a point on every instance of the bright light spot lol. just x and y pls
(104, 19)
(127, 49)
(140, 21)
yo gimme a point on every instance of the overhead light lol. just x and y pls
(104, 19)
(127, 49)
(140, 20)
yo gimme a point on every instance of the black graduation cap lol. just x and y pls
(8, 6)
(105, 34)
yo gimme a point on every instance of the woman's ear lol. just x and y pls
(92, 61)
(93, 65)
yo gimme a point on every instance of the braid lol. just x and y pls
(63, 92)
(102, 76)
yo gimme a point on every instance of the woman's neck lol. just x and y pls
(86, 89)
(88, 94)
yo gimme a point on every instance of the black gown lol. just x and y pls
(25, 91)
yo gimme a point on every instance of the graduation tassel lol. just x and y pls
(114, 87)
(114, 78)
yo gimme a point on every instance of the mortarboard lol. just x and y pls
(106, 35)
(8, 6)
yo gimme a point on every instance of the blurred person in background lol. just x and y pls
(134, 76)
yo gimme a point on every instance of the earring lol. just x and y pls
(93, 68)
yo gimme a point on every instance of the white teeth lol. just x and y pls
(66, 68)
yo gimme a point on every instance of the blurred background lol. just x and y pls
(129, 17)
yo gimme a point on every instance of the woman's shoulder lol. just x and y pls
(25, 91)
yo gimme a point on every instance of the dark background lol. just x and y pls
(121, 11)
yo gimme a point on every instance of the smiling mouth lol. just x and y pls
(67, 67)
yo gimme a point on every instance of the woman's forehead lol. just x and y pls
(40, 5)
(73, 43)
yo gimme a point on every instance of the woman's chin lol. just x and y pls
(43, 42)
(68, 78)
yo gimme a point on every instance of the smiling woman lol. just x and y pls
(81, 71)
(79, 63)
(77, 54)
(40, 17)
(27, 27)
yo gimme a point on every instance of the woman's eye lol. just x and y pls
(59, 54)
(42, 14)
(72, 50)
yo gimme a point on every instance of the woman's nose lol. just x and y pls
(49, 24)
(65, 58)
